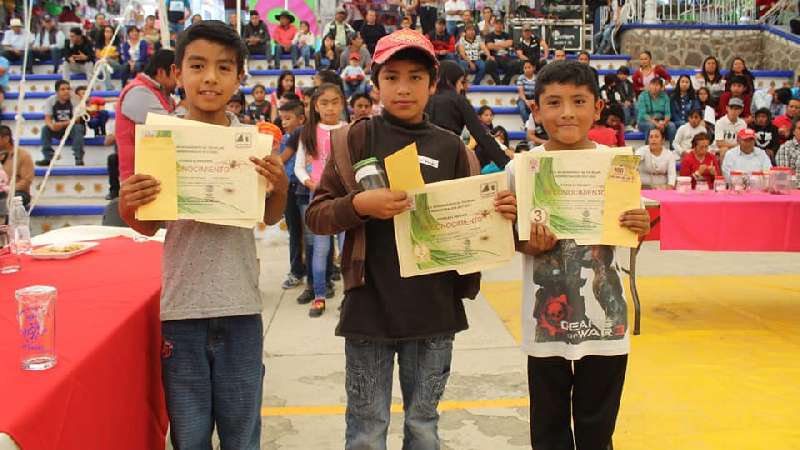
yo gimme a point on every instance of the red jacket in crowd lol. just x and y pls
(722, 106)
(442, 42)
(638, 79)
(690, 164)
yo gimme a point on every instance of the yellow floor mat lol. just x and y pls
(717, 365)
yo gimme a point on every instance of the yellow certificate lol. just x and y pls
(578, 194)
(453, 226)
(205, 171)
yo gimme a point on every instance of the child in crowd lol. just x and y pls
(292, 115)
(360, 106)
(627, 95)
(609, 93)
(683, 137)
(736, 89)
(657, 164)
(303, 45)
(601, 133)
(383, 314)
(700, 164)
(212, 330)
(235, 106)
(96, 108)
(286, 83)
(708, 109)
(767, 137)
(526, 83)
(572, 377)
(260, 110)
(313, 151)
(486, 116)
(614, 118)
(726, 128)
(354, 77)
(377, 108)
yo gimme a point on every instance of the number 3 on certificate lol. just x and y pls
(538, 215)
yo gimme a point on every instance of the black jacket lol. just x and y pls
(452, 111)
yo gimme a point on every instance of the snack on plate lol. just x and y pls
(58, 249)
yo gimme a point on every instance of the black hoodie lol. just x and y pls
(767, 137)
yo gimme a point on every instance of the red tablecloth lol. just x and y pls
(751, 222)
(105, 391)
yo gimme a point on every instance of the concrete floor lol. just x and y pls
(485, 403)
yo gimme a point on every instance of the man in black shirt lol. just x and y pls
(531, 46)
(371, 30)
(500, 44)
(58, 111)
(78, 55)
(256, 36)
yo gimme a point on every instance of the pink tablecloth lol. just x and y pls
(752, 222)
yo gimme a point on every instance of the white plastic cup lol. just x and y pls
(36, 314)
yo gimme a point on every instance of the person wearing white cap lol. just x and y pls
(14, 43)
(339, 29)
(745, 157)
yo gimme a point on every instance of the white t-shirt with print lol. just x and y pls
(573, 301)
(725, 130)
(451, 9)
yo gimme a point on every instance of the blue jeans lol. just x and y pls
(359, 87)
(480, 69)
(315, 271)
(452, 27)
(524, 110)
(424, 370)
(78, 130)
(304, 51)
(669, 131)
(630, 114)
(279, 52)
(603, 39)
(212, 374)
(294, 224)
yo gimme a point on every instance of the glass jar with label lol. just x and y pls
(684, 184)
(739, 182)
(780, 180)
(757, 183)
(370, 174)
(719, 184)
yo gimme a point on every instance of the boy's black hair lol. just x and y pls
(409, 54)
(584, 52)
(624, 70)
(783, 95)
(259, 85)
(162, 59)
(60, 82)
(566, 72)
(214, 31)
(354, 98)
(612, 110)
(291, 97)
(737, 79)
(295, 108)
(609, 79)
(658, 80)
(238, 98)
(484, 108)
(441, 21)
(80, 88)
(764, 111)
(76, 31)
(694, 111)
(131, 28)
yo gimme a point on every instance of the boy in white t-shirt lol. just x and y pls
(683, 137)
(728, 127)
(452, 15)
(575, 326)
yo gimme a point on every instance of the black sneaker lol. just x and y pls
(43, 162)
(317, 308)
(306, 296)
(336, 273)
(79, 162)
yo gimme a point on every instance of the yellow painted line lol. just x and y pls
(446, 405)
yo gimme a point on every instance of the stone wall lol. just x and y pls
(687, 48)
(780, 54)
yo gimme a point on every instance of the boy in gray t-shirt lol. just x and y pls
(210, 301)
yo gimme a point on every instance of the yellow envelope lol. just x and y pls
(155, 156)
(402, 168)
(623, 193)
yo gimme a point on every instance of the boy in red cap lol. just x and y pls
(384, 315)
(355, 79)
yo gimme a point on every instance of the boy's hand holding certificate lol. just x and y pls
(205, 172)
(579, 194)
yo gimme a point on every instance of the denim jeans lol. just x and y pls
(319, 263)
(424, 370)
(126, 72)
(310, 241)
(77, 133)
(603, 39)
(452, 27)
(305, 51)
(212, 374)
(294, 224)
(524, 110)
(480, 70)
(280, 51)
(359, 87)
(630, 114)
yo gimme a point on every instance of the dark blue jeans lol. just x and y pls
(212, 374)
(294, 224)
(77, 133)
(424, 370)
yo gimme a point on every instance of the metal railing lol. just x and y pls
(690, 11)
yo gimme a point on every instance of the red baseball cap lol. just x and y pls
(746, 133)
(402, 39)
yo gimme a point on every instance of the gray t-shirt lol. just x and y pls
(61, 112)
(209, 270)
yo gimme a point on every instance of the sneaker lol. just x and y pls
(79, 162)
(336, 273)
(306, 296)
(291, 281)
(43, 162)
(317, 308)
(331, 291)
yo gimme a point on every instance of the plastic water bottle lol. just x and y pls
(20, 224)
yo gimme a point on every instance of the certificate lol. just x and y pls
(578, 194)
(453, 226)
(205, 173)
